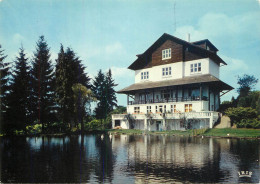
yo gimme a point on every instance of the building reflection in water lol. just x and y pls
(165, 158)
(127, 159)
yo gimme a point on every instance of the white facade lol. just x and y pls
(178, 70)
(178, 104)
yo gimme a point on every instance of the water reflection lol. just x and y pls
(127, 159)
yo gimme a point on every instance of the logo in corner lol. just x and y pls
(245, 174)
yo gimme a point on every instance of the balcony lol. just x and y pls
(167, 100)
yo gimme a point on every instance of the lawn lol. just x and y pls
(233, 132)
(221, 132)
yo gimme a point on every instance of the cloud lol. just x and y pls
(17, 38)
(235, 64)
(219, 26)
(114, 48)
(121, 72)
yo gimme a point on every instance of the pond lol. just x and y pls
(128, 159)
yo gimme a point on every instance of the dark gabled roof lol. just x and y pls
(207, 78)
(207, 42)
(142, 59)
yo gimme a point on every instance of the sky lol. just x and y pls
(110, 33)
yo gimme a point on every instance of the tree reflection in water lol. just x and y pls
(127, 159)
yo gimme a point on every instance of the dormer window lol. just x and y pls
(144, 75)
(166, 54)
(195, 68)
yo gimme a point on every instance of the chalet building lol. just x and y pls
(176, 87)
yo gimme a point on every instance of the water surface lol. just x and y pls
(128, 159)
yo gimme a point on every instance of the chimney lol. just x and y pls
(188, 37)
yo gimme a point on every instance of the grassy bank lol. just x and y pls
(233, 132)
(224, 132)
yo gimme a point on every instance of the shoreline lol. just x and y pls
(215, 133)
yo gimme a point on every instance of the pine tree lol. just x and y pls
(69, 71)
(4, 80)
(99, 90)
(103, 88)
(110, 91)
(18, 98)
(42, 84)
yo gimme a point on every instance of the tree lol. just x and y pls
(103, 88)
(246, 84)
(4, 80)
(69, 71)
(239, 113)
(98, 89)
(18, 98)
(82, 97)
(42, 76)
(110, 91)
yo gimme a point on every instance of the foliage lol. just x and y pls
(69, 72)
(94, 125)
(4, 74)
(34, 129)
(18, 97)
(42, 74)
(110, 91)
(98, 89)
(103, 88)
(251, 100)
(246, 84)
(82, 96)
(239, 113)
(249, 123)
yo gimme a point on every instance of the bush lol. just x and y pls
(94, 125)
(34, 129)
(239, 113)
(249, 123)
(56, 127)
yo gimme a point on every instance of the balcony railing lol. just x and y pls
(167, 100)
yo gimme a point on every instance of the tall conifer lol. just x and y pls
(4, 80)
(69, 71)
(18, 98)
(42, 84)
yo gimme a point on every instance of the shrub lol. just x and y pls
(249, 123)
(94, 125)
(34, 129)
(239, 113)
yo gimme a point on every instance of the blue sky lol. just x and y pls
(109, 33)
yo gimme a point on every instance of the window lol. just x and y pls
(166, 94)
(166, 54)
(156, 108)
(173, 108)
(166, 71)
(137, 110)
(164, 110)
(161, 108)
(195, 68)
(188, 107)
(144, 75)
(149, 110)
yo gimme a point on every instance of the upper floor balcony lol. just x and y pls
(168, 100)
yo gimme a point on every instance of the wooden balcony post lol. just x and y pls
(209, 97)
(176, 96)
(153, 96)
(214, 95)
(127, 99)
(145, 97)
(200, 91)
